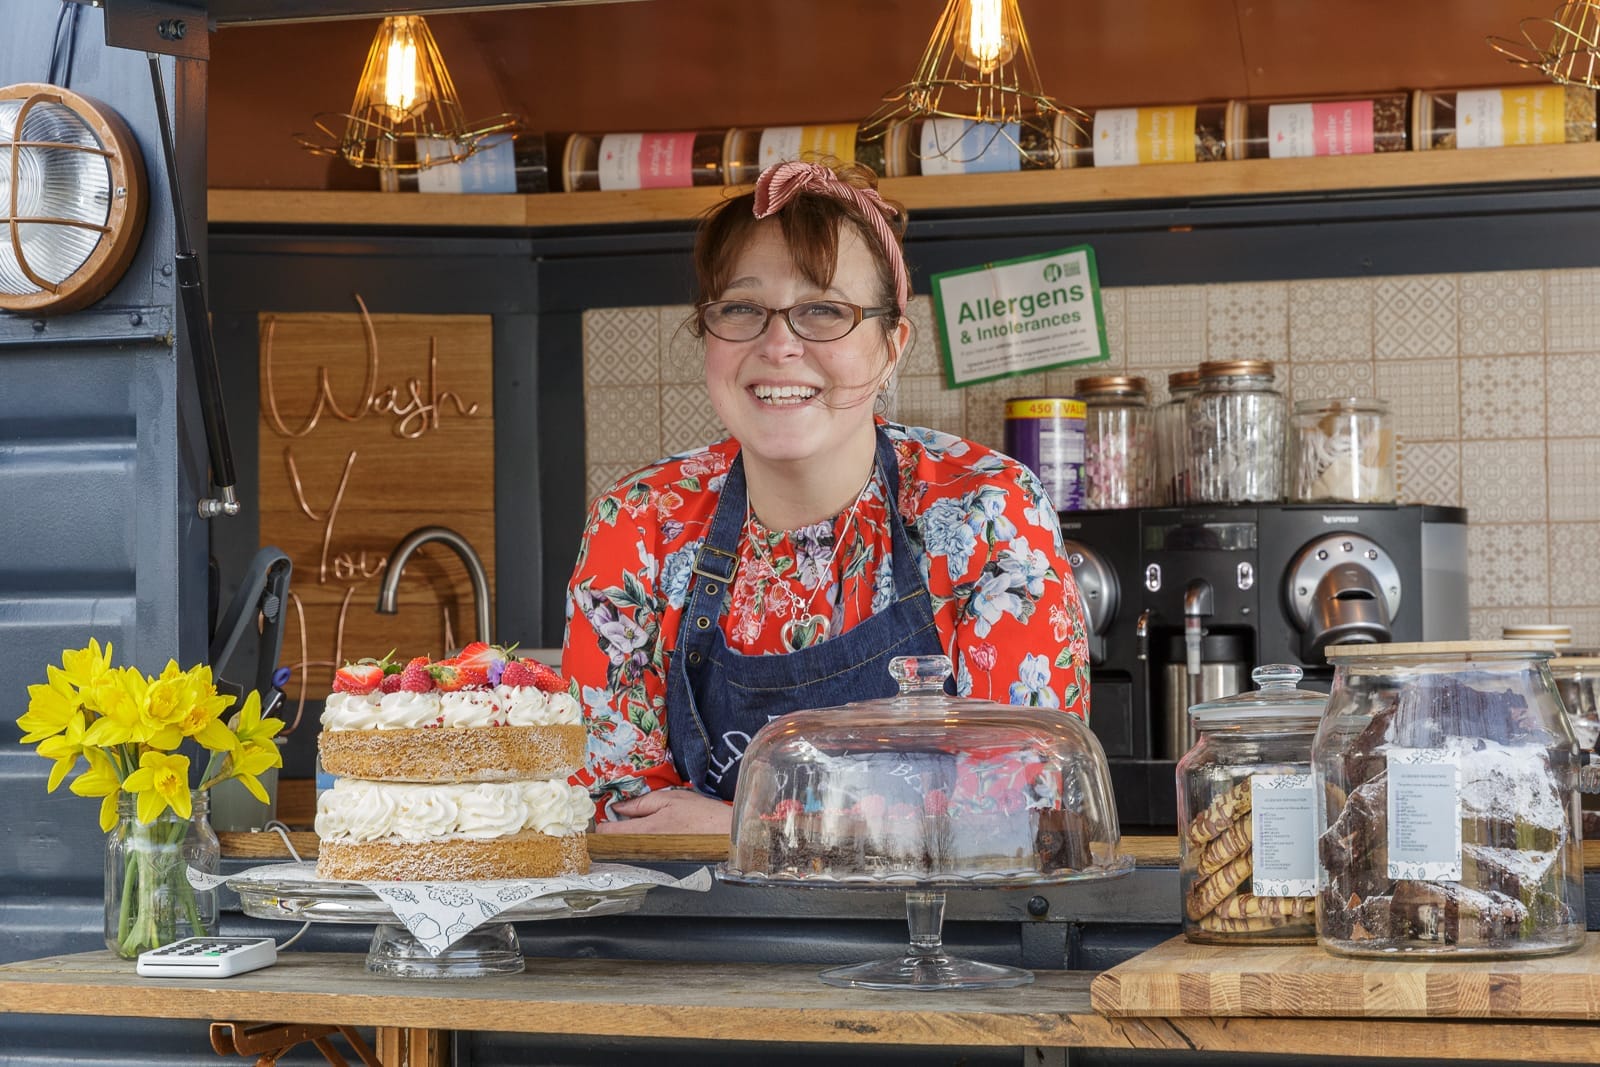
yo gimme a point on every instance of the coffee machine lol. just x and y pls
(1183, 602)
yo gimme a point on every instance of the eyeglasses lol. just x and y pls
(814, 320)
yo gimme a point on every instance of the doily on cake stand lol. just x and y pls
(290, 891)
(926, 965)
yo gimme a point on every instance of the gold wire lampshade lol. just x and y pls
(72, 199)
(406, 114)
(978, 67)
(1565, 47)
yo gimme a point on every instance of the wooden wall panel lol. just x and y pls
(710, 64)
(371, 426)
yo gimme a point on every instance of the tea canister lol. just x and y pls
(1172, 439)
(1444, 776)
(1247, 858)
(1512, 115)
(1046, 435)
(1287, 129)
(642, 160)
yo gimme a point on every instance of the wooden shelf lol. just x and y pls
(1183, 181)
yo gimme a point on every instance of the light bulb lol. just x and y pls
(400, 71)
(986, 34)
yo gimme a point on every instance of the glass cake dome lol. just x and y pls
(924, 792)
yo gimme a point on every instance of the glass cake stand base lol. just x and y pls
(927, 972)
(926, 966)
(489, 950)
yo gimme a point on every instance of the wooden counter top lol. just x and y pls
(1178, 978)
(962, 192)
(713, 1002)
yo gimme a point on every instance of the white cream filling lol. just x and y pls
(354, 811)
(465, 708)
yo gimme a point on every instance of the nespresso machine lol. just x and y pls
(1184, 602)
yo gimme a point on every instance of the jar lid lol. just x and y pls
(1110, 385)
(1444, 649)
(1574, 663)
(1277, 698)
(1344, 405)
(1237, 368)
(1183, 379)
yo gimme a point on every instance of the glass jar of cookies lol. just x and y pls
(1447, 824)
(1247, 863)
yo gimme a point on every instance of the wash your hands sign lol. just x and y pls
(1020, 316)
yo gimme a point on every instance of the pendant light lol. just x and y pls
(978, 68)
(1565, 48)
(72, 199)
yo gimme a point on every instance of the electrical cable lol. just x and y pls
(283, 831)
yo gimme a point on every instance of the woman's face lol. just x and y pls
(789, 400)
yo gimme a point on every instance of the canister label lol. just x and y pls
(1283, 836)
(1424, 815)
(646, 161)
(831, 142)
(1129, 136)
(1530, 114)
(1338, 128)
(1046, 435)
(961, 146)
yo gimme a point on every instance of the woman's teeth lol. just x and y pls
(783, 394)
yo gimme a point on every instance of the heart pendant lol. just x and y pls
(804, 632)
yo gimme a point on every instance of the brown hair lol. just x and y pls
(811, 224)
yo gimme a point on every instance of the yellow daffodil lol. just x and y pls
(64, 748)
(248, 725)
(85, 665)
(161, 782)
(118, 696)
(100, 780)
(50, 707)
(248, 761)
(167, 702)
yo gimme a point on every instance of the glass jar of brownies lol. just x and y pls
(1247, 861)
(1445, 775)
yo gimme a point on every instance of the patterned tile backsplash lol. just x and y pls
(1493, 382)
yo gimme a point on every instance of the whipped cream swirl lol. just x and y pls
(465, 708)
(355, 810)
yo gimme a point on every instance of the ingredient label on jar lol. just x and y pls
(1283, 835)
(1129, 136)
(646, 161)
(1424, 810)
(1330, 129)
(835, 142)
(961, 146)
(1488, 118)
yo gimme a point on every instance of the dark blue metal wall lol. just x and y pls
(100, 470)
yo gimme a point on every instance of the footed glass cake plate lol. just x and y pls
(922, 793)
(432, 930)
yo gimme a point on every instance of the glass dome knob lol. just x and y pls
(920, 674)
(1277, 676)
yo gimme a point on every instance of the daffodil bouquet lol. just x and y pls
(126, 729)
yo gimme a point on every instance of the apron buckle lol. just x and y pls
(702, 563)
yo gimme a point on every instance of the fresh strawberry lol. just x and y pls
(481, 655)
(359, 678)
(415, 678)
(530, 672)
(391, 682)
(450, 677)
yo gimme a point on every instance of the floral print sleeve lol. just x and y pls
(1004, 599)
(982, 532)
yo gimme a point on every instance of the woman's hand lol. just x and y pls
(670, 811)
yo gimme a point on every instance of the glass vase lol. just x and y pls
(149, 900)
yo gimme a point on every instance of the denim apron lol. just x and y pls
(718, 698)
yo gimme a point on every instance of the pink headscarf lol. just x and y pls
(782, 182)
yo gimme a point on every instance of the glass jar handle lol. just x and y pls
(1277, 676)
(920, 674)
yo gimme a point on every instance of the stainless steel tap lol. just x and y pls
(389, 586)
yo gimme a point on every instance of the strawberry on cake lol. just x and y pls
(452, 770)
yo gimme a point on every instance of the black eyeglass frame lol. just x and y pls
(861, 315)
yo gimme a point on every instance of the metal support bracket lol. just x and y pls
(161, 26)
(268, 1042)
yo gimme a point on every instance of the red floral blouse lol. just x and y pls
(985, 538)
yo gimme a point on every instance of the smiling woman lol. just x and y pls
(782, 568)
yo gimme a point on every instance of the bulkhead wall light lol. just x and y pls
(72, 199)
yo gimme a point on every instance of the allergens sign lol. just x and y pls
(1019, 316)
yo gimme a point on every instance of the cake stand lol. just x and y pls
(487, 950)
(926, 966)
